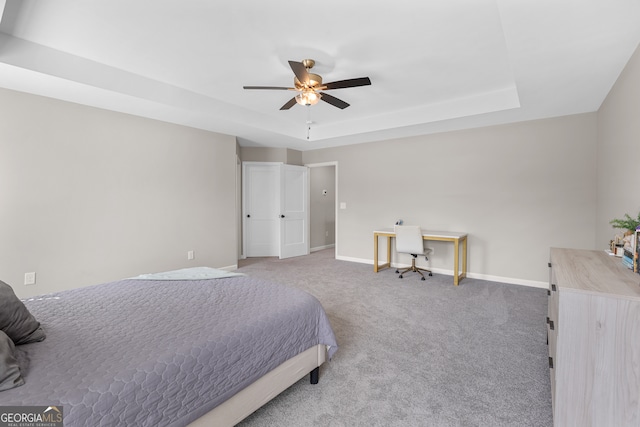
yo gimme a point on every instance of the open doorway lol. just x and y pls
(323, 196)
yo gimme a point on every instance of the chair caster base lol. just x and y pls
(422, 278)
(430, 274)
(400, 276)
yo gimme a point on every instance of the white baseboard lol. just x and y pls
(509, 280)
(360, 260)
(499, 279)
(229, 267)
(319, 248)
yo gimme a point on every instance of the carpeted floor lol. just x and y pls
(415, 353)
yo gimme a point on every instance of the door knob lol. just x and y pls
(281, 216)
(248, 216)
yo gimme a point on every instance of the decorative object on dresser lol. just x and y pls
(594, 339)
(626, 223)
(626, 245)
(636, 257)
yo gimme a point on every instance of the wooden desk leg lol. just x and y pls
(375, 253)
(389, 251)
(456, 254)
(464, 257)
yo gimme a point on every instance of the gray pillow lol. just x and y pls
(15, 319)
(9, 370)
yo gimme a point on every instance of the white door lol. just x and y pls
(261, 209)
(294, 217)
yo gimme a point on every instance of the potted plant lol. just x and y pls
(626, 223)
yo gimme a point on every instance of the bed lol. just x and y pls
(192, 347)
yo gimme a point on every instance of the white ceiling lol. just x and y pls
(435, 65)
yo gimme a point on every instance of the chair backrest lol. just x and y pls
(409, 239)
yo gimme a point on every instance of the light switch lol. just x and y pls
(343, 205)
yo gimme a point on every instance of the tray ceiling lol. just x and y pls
(434, 65)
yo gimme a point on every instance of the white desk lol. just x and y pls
(442, 236)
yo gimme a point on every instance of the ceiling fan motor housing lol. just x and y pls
(314, 81)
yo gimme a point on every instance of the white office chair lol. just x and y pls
(409, 241)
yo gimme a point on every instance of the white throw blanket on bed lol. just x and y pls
(194, 273)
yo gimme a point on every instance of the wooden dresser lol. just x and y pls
(594, 339)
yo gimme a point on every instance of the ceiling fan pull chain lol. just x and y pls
(308, 121)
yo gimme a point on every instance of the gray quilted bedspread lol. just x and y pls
(161, 353)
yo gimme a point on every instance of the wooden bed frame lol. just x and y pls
(247, 401)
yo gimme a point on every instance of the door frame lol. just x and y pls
(337, 226)
(239, 212)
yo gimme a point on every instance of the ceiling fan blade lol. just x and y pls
(268, 87)
(289, 104)
(341, 84)
(300, 71)
(333, 101)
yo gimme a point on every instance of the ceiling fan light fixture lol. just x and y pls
(309, 97)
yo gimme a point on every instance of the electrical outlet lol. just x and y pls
(30, 278)
(190, 255)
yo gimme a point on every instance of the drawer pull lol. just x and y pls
(551, 325)
(549, 265)
(550, 362)
(547, 320)
(548, 292)
(553, 287)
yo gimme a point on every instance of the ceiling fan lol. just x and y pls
(310, 85)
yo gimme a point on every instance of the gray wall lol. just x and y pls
(88, 195)
(619, 151)
(322, 206)
(517, 190)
